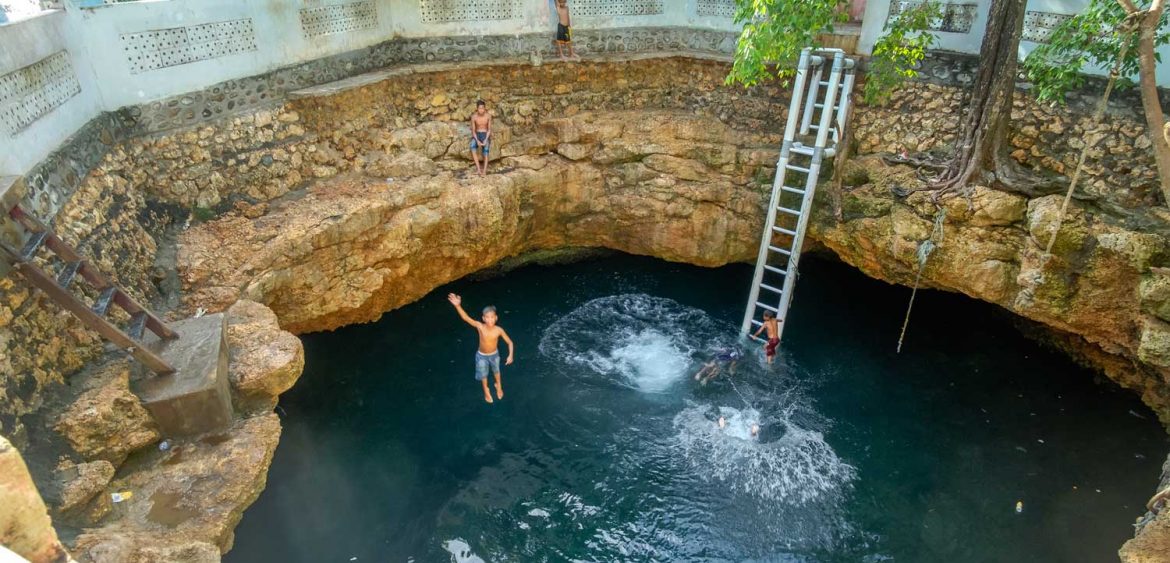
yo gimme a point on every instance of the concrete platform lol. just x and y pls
(196, 399)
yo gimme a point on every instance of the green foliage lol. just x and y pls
(775, 31)
(899, 51)
(1092, 37)
(202, 214)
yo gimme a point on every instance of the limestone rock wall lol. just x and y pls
(263, 155)
(1101, 291)
(1119, 171)
(110, 222)
(665, 184)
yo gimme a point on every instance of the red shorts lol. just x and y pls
(770, 348)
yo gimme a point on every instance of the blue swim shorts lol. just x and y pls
(485, 363)
(480, 140)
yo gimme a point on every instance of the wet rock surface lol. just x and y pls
(186, 501)
(82, 497)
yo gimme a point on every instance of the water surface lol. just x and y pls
(605, 449)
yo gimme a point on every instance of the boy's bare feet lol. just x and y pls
(499, 391)
(488, 397)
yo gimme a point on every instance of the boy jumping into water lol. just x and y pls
(773, 327)
(488, 355)
(481, 135)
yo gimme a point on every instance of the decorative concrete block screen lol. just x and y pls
(161, 48)
(439, 11)
(717, 8)
(956, 18)
(602, 8)
(339, 18)
(30, 92)
(1038, 26)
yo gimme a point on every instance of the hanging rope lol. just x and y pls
(1024, 298)
(925, 248)
(1097, 117)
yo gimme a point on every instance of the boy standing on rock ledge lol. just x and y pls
(481, 134)
(488, 355)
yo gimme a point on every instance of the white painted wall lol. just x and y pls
(875, 18)
(93, 38)
(27, 42)
(1074, 7)
(276, 25)
(874, 23)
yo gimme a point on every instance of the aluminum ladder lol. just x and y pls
(825, 100)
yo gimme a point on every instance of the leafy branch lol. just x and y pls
(899, 51)
(774, 33)
(1093, 37)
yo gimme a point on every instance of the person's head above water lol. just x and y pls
(489, 315)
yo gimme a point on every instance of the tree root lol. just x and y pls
(948, 180)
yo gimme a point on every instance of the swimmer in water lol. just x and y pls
(755, 430)
(725, 358)
(722, 423)
(488, 356)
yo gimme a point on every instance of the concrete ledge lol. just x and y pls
(196, 399)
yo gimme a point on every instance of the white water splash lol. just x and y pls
(461, 551)
(637, 341)
(797, 468)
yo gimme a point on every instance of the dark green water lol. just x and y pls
(604, 449)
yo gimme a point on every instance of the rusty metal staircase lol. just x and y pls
(75, 269)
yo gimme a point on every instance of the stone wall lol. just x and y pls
(661, 183)
(110, 223)
(264, 154)
(1119, 171)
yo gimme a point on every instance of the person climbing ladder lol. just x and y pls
(772, 324)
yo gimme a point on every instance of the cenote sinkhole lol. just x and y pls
(605, 449)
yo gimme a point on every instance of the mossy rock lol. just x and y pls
(863, 203)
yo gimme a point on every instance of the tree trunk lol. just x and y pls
(1151, 105)
(982, 147)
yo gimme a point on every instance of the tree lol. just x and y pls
(1114, 34)
(982, 147)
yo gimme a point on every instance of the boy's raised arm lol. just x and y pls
(759, 330)
(457, 301)
(511, 347)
